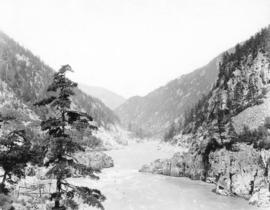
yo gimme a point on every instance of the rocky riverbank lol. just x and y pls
(125, 188)
(241, 172)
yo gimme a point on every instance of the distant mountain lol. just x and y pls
(24, 79)
(153, 113)
(109, 98)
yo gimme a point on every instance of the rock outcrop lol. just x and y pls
(167, 167)
(239, 172)
(95, 159)
(242, 172)
(261, 198)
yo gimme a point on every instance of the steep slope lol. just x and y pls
(109, 98)
(241, 87)
(228, 131)
(156, 111)
(26, 78)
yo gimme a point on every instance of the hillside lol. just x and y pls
(109, 98)
(155, 112)
(24, 79)
(228, 130)
(242, 87)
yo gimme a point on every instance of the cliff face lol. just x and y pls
(228, 130)
(241, 173)
(238, 173)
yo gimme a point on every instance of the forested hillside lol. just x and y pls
(25, 77)
(155, 112)
(243, 82)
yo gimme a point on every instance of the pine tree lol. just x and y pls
(229, 101)
(62, 145)
(14, 157)
(14, 154)
(238, 96)
(252, 89)
(220, 115)
(221, 125)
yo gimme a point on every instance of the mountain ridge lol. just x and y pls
(109, 98)
(28, 77)
(154, 112)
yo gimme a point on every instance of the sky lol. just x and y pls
(131, 47)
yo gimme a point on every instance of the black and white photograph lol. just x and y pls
(134, 104)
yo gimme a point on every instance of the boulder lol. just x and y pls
(261, 198)
(167, 167)
(95, 159)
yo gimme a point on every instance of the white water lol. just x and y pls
(128, 189)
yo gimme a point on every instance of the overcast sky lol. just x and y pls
(131, 46)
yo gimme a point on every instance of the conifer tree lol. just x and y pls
(220, 116)
(62, 146)
(14, 157)
(252, 89)
(238, 95)
(221, 125)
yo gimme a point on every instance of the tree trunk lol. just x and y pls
(2, 185)
(58, 198)
(4, 178)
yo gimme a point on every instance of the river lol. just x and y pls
(128, 189)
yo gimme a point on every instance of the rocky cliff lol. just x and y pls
(228, 130)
